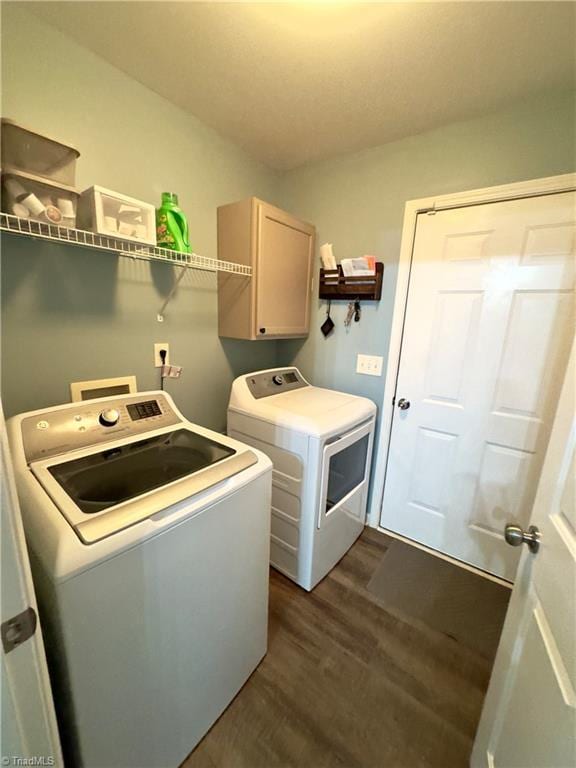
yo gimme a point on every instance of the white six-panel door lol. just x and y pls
(488, 327)
(529, 716)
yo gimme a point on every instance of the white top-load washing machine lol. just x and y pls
(320, 443)
(149, 541)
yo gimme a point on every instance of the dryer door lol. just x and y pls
(345, 473)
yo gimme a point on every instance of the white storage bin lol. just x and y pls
(32, 197)
(31, 152)
(111, 213)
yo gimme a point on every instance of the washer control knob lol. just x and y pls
(277, 379)
(109, 417)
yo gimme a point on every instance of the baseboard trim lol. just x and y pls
(442, 556)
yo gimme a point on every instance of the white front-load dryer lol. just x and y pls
(320, 443)
(149, 543)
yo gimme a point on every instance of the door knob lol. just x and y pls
(516, 536)
(403, 404)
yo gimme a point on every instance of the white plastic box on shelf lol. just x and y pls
(26, 150)
(116, 215)
(33, 197)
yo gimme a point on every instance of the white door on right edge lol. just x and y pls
(529, 714)
(488, 329)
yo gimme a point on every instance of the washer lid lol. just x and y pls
(105, 491)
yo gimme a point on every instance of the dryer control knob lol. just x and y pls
(278, 379)
(109, 418)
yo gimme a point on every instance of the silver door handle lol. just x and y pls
(516, 536)
(403, 404)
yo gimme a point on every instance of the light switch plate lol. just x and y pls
(370, 365)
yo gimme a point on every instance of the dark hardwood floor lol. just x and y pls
(347, 684)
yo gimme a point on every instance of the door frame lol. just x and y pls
(549, 185)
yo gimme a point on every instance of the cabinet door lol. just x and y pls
(284, 269)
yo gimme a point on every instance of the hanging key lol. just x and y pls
(349, 314)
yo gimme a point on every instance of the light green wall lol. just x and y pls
(71, 314)
(357, 203)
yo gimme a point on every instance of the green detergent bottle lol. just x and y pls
(171, 225)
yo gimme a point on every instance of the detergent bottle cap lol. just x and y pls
(170, 197)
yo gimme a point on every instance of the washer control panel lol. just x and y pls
(274, 382)
(81, 425)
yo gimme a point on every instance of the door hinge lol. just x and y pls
(18, 629)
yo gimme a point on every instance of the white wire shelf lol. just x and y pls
(59, 234)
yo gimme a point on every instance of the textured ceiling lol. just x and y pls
(293, 83)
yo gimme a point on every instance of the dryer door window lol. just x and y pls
(346, 470)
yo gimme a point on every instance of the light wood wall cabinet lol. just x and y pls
(275, 303)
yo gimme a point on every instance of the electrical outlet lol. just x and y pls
(370, 365)
(157, 359)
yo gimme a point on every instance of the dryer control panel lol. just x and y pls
(81, 425)
(275, 382)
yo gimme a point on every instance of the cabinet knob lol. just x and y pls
(262, 330)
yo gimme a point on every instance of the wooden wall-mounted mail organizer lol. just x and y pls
(334, 285)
